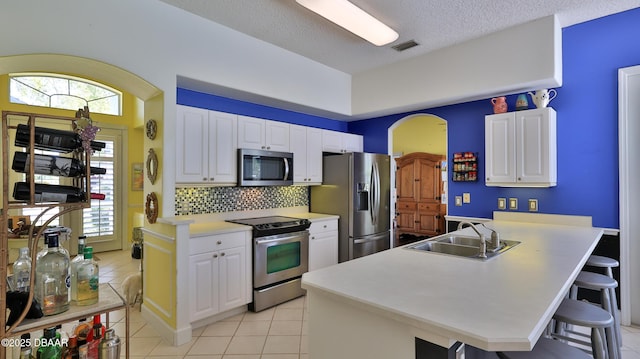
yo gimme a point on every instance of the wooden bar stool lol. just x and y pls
(607, 287)
(549, 349)
(602, 339)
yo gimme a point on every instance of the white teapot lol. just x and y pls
(542, 97)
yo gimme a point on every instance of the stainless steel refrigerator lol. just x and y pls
(356, 187)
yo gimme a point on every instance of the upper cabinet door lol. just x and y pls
(314, 155)
(298, 146)
(277, 136)
(251, 132)
(536, 150)
(500, 148)
(223, 146)
(192, 140)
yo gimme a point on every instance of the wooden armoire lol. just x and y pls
(419, 186)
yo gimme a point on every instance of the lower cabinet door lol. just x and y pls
(232, 284)
(203, 285)
(323, 249)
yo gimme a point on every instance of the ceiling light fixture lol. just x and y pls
(352, 18)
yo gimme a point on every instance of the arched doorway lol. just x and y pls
(416, 133)
(148, 99)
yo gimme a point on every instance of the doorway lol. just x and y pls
(415, 133)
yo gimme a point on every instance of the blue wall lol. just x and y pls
(587, 127)
(224, 104)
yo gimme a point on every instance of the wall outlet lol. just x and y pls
(466, 198)
(513, 203)
(458, 201)
(502, 203)
(533, 205)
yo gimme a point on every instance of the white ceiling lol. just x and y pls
(434, 24)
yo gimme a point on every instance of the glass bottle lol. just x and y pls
(52, 139)
(52, 279)
(72, 349)
(48, 193)
(52, 165)
(73, 267)
(87, 279)
(22, 271)
(50, 344)
(25, 348)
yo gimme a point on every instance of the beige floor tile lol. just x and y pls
(304, 344)
(220, 329)
(241, 356)
(286, 327)
(288, 314)
(282, 344)
(235, 318)
(209, 346)
(142, 346)
(279, 356)
(253, 328)
(266, 314)
(164, 348)
(146, 331)
(246, 344)
(203, 357)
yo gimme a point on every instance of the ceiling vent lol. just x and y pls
(405, 45)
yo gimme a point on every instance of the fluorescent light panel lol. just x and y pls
(352, 18)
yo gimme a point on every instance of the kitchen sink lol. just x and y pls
(461, 246)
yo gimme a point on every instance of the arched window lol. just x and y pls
(65, 92)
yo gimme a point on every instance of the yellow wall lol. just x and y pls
(421, 133)
(131, 118)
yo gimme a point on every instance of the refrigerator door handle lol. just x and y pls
(374, 209)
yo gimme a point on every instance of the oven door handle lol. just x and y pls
(286, 239)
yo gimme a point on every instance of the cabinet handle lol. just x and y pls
(211, 179)
(313, 237)
(204, 178)
(325, 226)
(219, 242)
(519, 179)
(222, 254)
(215, 255)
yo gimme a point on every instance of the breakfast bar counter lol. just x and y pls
(376, 306)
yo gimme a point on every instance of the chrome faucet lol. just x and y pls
(483, 240)
(495, 238)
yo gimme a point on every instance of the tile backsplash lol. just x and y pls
(202, 200)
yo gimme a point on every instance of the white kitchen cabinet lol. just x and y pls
(306, 145)
(323, 243)
(520, 149)
(219, 273)
(341, 142)
(206, 147)
(262, 134)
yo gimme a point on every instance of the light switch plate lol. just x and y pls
(533, 205)
(513, 203)
(458, 201)
(466, 198)
(502, 203)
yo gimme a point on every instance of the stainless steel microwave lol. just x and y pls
(264, 168)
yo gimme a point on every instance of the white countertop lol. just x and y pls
(500, 304)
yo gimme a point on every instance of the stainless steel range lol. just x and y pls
(280, 257)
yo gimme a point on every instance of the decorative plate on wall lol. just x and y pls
(151, 129)
(152, 166)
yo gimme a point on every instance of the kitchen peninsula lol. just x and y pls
(384, 305)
